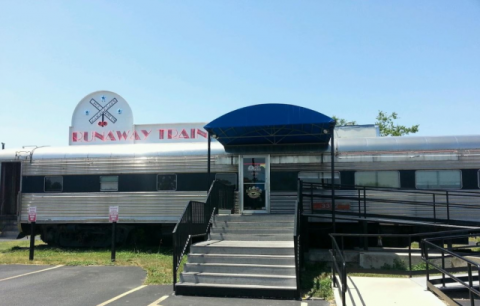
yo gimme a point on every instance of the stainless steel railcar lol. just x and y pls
(89, 179)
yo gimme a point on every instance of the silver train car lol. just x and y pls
(73, 187)
(439, 176)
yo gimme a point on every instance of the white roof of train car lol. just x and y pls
(112, 151)
(370, 144)
(408, 143)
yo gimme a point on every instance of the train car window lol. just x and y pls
(478, 178)
(378, 178)
(227, 178)
(53, 184)
(438, 179)
(324, 177)
(167, 182)
(109, 183)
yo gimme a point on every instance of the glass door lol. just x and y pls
(255, 184)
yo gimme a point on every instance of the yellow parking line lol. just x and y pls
(157, 302)
(303, 304)
(4, 279)
(122, 295)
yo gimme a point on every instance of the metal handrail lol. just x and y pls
(196, 221)
(441, 199)
(419, 203)
(428, 243)
(297, 243)
(342, 272)
(337, 253)
(379, 188)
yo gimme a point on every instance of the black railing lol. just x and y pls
(196, 221)
(436, 206)
(297, 243)
(225, 197)
(339, 266)
(437, 246)
(339, 263)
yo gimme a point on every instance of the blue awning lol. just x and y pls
(271, 125)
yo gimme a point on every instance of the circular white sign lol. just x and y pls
(102, 117)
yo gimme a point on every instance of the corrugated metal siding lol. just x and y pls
(236, 208)
(178, 164)
(282, 202)
(420, 165)
(376, 205)
(411, 143)
(134, 207)
(313, 162)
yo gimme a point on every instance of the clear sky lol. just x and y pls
(192, 61)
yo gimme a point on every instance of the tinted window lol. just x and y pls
(227, 178)
(53, 183)
(166, 182)
(438, 179)
(109, 183)
(254, 170)
(378, 178)
(283, 180)
(319, 177)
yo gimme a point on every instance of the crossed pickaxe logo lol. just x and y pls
(103, 112)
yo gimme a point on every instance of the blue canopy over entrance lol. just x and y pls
(269, 128)
(271, 125)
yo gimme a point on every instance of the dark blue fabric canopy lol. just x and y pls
(271, 124)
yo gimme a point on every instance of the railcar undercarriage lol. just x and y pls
(98, 235)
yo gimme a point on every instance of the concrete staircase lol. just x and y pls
(9, 230)
(246, 255)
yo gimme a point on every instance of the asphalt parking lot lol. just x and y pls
(23, 285)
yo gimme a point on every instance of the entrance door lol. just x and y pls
(255, 184)
(9, 188)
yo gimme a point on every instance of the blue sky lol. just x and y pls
(192, 61)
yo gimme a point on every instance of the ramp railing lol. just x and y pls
(339, 264)
(454, 207)
(434, 249)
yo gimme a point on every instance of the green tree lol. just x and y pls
(386, 124)
(342, 122)
(388, 127)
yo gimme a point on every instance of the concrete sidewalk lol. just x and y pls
(383, 291)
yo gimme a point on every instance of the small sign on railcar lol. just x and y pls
(328, 206)
(113, 213)
(32, 214)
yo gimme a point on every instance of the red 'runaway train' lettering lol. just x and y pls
(139, 135)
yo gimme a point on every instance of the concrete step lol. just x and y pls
(10, 227)
(242, 259)
(251, 231)
(240, 269)
(253, 224)
(9, 234)
(255, 218)
(244, 247)
(222, 290)
(251, 237)
(238, 279)
(237, 286)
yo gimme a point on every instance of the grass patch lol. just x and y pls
(398, 265)
(316, 281)
(156, 261)
(378, 275)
